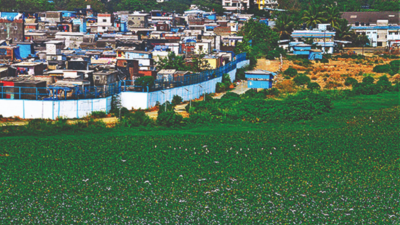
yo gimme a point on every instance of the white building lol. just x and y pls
(236, 5)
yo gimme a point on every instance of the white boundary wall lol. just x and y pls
(38, 109)
(144, 100)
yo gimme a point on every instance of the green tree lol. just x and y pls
(146, 81)
(343, 31)
(313, 86)
(361, 41)
(136, 5)
(332, 15)
(172, 61)
(283, 26)
(258, 40)
(313, 16)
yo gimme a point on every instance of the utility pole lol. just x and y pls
(165, 101)
(204, 92)
(190, 99)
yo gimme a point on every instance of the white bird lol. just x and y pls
(303, 195)
(294, 145)
(239, 199)
(206, 207)
(271, 202)
(215, 190)
(390, 216)
(277, 194)
(147, 182)
(347, 214)
(182, 201)
(123, 160)
(180, 175)
(351, 209)
(204, 146)
(202, 179)
(85, 180)
(155, 146)
(292, 210)
(322, 191)
(270, 153)
(325, 214)
(228, 189)
(216, 162)
(207, 192)
(372, 121)
(108, 188)
(232, 179)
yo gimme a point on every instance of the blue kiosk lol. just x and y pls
(259, 79)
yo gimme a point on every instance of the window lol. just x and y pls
(377, 36)
(104, 20)
(385, 36)
(226, 4)
(234, 4)
(104, 28)
(200, 48)
(379, 44)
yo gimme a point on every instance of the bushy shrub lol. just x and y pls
(290, 72)
(161, 108)
(230, 95)
(382, 68)
(226, 79)
(169, 119)
(384, 83)
(368, 80)
(139, 118)
(395, 64)
(350, 81)
(176, 100)
(272, 92)
(313, 86)
(221, 87)
(145, 81)
(98, 114)
(305, 106)
(301, 80)
(200, 117)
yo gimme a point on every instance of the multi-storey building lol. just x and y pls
(382, 28)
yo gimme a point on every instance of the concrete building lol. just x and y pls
(322, 36)
(382, 28)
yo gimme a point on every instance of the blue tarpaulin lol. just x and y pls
(176, 30)
(25, 50)
(17, 54)
(161, 47)
(9, 15)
